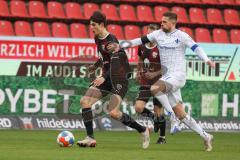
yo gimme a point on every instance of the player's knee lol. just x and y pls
(115, 114)
(154, 89)
(85, 103)
(182, 115)
(179, 111)
(159, 86)
(138, 108)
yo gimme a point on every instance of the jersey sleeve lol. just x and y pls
(152, 36)
(188, 41)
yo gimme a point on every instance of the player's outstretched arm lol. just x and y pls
(115, 47)
(200, 52)
(211, 63)
(189, 42)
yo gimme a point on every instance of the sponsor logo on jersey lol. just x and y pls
(119, 86)
(146, 63)
(177, 41)
(154, 54)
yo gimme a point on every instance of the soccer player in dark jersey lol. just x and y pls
(149, 71)
(114, 80)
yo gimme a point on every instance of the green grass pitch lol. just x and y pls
(41, 145)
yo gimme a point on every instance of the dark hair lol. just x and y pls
(170, 15)
(99, 17)
(153, 26)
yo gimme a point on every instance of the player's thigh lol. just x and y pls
(158, 86)
(139, 105)
(91, 96)
(174, 81)
(179, 111)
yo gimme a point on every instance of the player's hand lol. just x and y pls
(91, 69)
(113, 47)
(150, 75)
(211, 63)
(98, 81)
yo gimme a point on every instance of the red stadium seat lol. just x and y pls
(157, 0)
(230, 2)
(231, 17)
(91, 35)
(187, 30)
(152, 0)
(209, 1)
(78, 30)
(116, 30)
(23, 28)
(220, 36)
(178, 1)
(144, 13)
(145, 30)
(73, 10)
(214, 16)
(132, 31)
(158, 12)
(55, 10)
(127, 13)
(4, 8)
(110, 11)
(192, 1)
(235, 36)
(89, 8)
(41, 29)
(197, 15)
(60, 30)
(182, 14)
(202, 35)
(18, 8)
(37, 9)
(238, 2)
(6, 28)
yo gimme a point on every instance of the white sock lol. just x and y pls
(191, 123)
(162, 98)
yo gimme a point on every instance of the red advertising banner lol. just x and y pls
(52, 49)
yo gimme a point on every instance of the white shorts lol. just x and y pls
(174, 83)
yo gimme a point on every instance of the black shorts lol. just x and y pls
(145, 94)
(119, 87)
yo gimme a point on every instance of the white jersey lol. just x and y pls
(172, 47)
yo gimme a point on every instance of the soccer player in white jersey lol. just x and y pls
(172, 44)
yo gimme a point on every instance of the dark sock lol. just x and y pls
(88, 121)
(162, 125)
(130, 122)
(147, 113)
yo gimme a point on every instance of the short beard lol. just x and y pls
(165, 30)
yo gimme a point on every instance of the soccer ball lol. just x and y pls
(65, 139)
